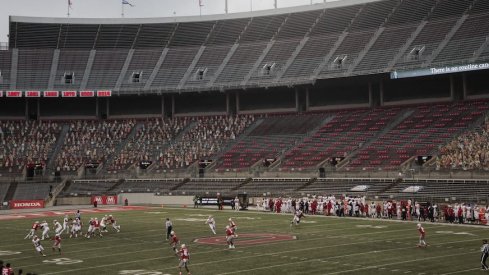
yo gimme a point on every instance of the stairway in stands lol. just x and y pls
(185, 180)
(11, 191)
(57, 147)
(121, 146)
(248, 180)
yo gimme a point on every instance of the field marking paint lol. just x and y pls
(454, 233)
(9, 252)
(401, 262)
(371, 226)
(336, 257)
(462, 271)
(237, 258)
(141, 272)
(63, 261)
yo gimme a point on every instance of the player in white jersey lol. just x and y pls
(103, 224)
(212, 224)
(58, 228)
(75, 228)
(45, 230)
(66, 226)
(37, 245)
(297, 217)
(91, 228)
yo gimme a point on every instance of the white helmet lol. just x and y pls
(172, 232)
(419, 225)
(230, 219)
(227, 226)
(183, 245)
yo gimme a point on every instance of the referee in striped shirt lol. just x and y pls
(485, 254)
(169, 228)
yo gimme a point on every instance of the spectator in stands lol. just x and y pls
(92, 141)
(468, 151)
(26, 142)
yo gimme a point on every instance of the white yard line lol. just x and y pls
(462, 271)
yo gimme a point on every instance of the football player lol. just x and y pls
(45, 230)
(174, 242)
(184, 258)
(230, 236)
(37, 245)
(57, 243)
(58, 228)
(113, 222)
(212, 224)
(33, 230)
(422, 235)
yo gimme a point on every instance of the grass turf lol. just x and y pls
(323, 246)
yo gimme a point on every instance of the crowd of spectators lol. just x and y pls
(91, 142)
(149, 143)
(25, 143)
(204, 139)
(468, 151)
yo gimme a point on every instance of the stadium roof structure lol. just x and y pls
(281, 47)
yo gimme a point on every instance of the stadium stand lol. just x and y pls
(24, 143)
(301, 44)
(233, 58)
(467, 151)
(419, 134)
(152, 138)
(91, 141)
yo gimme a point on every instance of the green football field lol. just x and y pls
(319, 245)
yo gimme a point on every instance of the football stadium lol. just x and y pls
(330, 137)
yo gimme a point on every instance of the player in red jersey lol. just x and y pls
(230, 236)
(96, 227)
(184, 258)
(33, 230)
(57, 243)
(114, 224)
(174, 242)
(422, 235)
(7, 270)
(232, 225)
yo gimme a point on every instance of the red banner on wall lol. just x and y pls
(104, 200)
(25, 204)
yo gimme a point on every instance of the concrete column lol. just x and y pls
(38, 108)
(452, 88)
(162, 105)
(97, 111)
(237, 103)
(307, 99)
(381, 92)
(370, 95)
(26, 114)
(108, 107)
(464, 86)
(227, 104)
(297, 108)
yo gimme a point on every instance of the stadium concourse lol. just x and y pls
(376, 108)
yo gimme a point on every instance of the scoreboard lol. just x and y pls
(51, 94)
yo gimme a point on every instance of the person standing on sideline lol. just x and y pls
(169, 228)
(485, 254)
